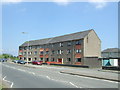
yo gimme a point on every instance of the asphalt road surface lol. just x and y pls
(19, 76)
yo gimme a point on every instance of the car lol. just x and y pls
(15, 61)
(36, 62)
(21, 62)
(3, 60)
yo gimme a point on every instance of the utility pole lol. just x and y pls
(27, 45)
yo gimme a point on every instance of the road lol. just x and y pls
(19, 76)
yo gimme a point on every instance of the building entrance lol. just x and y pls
(60, 60)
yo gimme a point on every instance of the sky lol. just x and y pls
(49, 19)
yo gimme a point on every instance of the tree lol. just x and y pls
(7, 56)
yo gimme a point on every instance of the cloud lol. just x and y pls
(62, 2)
(11, 1)
(98, 3)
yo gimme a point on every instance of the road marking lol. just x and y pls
(33, 73)
(97, 79)
(48, 77)
(12, 85)
(9, 82)
(4, 78)
(74, 85)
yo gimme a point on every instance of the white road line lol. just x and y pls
(63, 81)
(33, 73)
(74, 85)
(12, 85)
(4, 78)
(9, 82)
(97, 79)
(48, 77)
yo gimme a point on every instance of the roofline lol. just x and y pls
(52, 43)
(61, 36)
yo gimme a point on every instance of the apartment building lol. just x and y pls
(81, 48)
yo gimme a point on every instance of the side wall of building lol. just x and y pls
(92, 62)
(92, 45)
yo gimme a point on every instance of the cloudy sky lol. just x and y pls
(55, 18)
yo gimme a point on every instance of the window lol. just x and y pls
(60, 52)
(20, 48)
(78, 59)
(69, 43)
(20, 53)
(53, 51)
(46, 46)
(47, 59)
(78, 51)
(35, 52)
(61, 44)
(68, 51)
(52, 45)
(87, 39)
(41, 52)
(53, 59)
(28, 53)
(24, 58)
(78, 42)
(47, 52)
(25, 48)
(30, 47)
(29, 59)
(41, 59)
(68, 59)
(35, 58)
(35, 47)
(24, 53)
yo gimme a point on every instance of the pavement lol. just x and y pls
(93, 73)
(47, 76)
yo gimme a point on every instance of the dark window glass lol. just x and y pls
(61, 44)
(47, 52)
(78, 42)
(20, 48)
(58, 52)
(53, 51)
(35, 52)
(35, 47)
(41, 52)
(47, 59)
(53, 59)
(69, 59)
(68, 51)
(35, 58)
(41, 59)
(69, 44)
(25, 48)
(78, 59)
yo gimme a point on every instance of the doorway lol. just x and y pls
(60, 60)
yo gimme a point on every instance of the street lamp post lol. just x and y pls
(27, 45)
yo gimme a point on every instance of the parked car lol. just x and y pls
(3, 60)
(15, 61)
(36, 62)
(21, 62)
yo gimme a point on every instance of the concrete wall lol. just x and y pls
(92, 45)
(93, 62)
